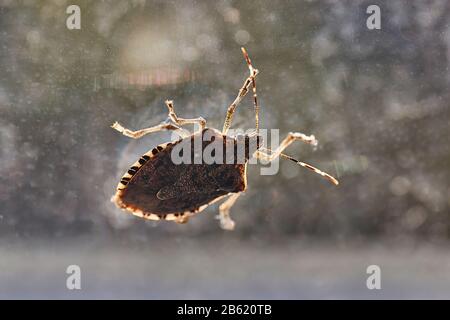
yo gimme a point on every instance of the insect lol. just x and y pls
(155, 188)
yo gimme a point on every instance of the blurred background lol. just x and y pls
(377, 100)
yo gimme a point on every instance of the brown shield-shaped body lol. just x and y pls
(158, 188)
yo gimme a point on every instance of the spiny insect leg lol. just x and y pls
(291, 137)
(182, 121)
(264, 156)
(140, 133)
(255, 96)
(226, 222)
(242, 92)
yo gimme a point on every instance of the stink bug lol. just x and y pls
(156, 188)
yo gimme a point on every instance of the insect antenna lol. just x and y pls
(253, 72)
(310, 167)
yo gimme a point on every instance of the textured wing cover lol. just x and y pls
(161, 187)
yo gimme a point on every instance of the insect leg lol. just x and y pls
(226, 222)
(182, 121)
(255, 96)
(241, 94)
(291, 137)
(140, 133)
(265, 156)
